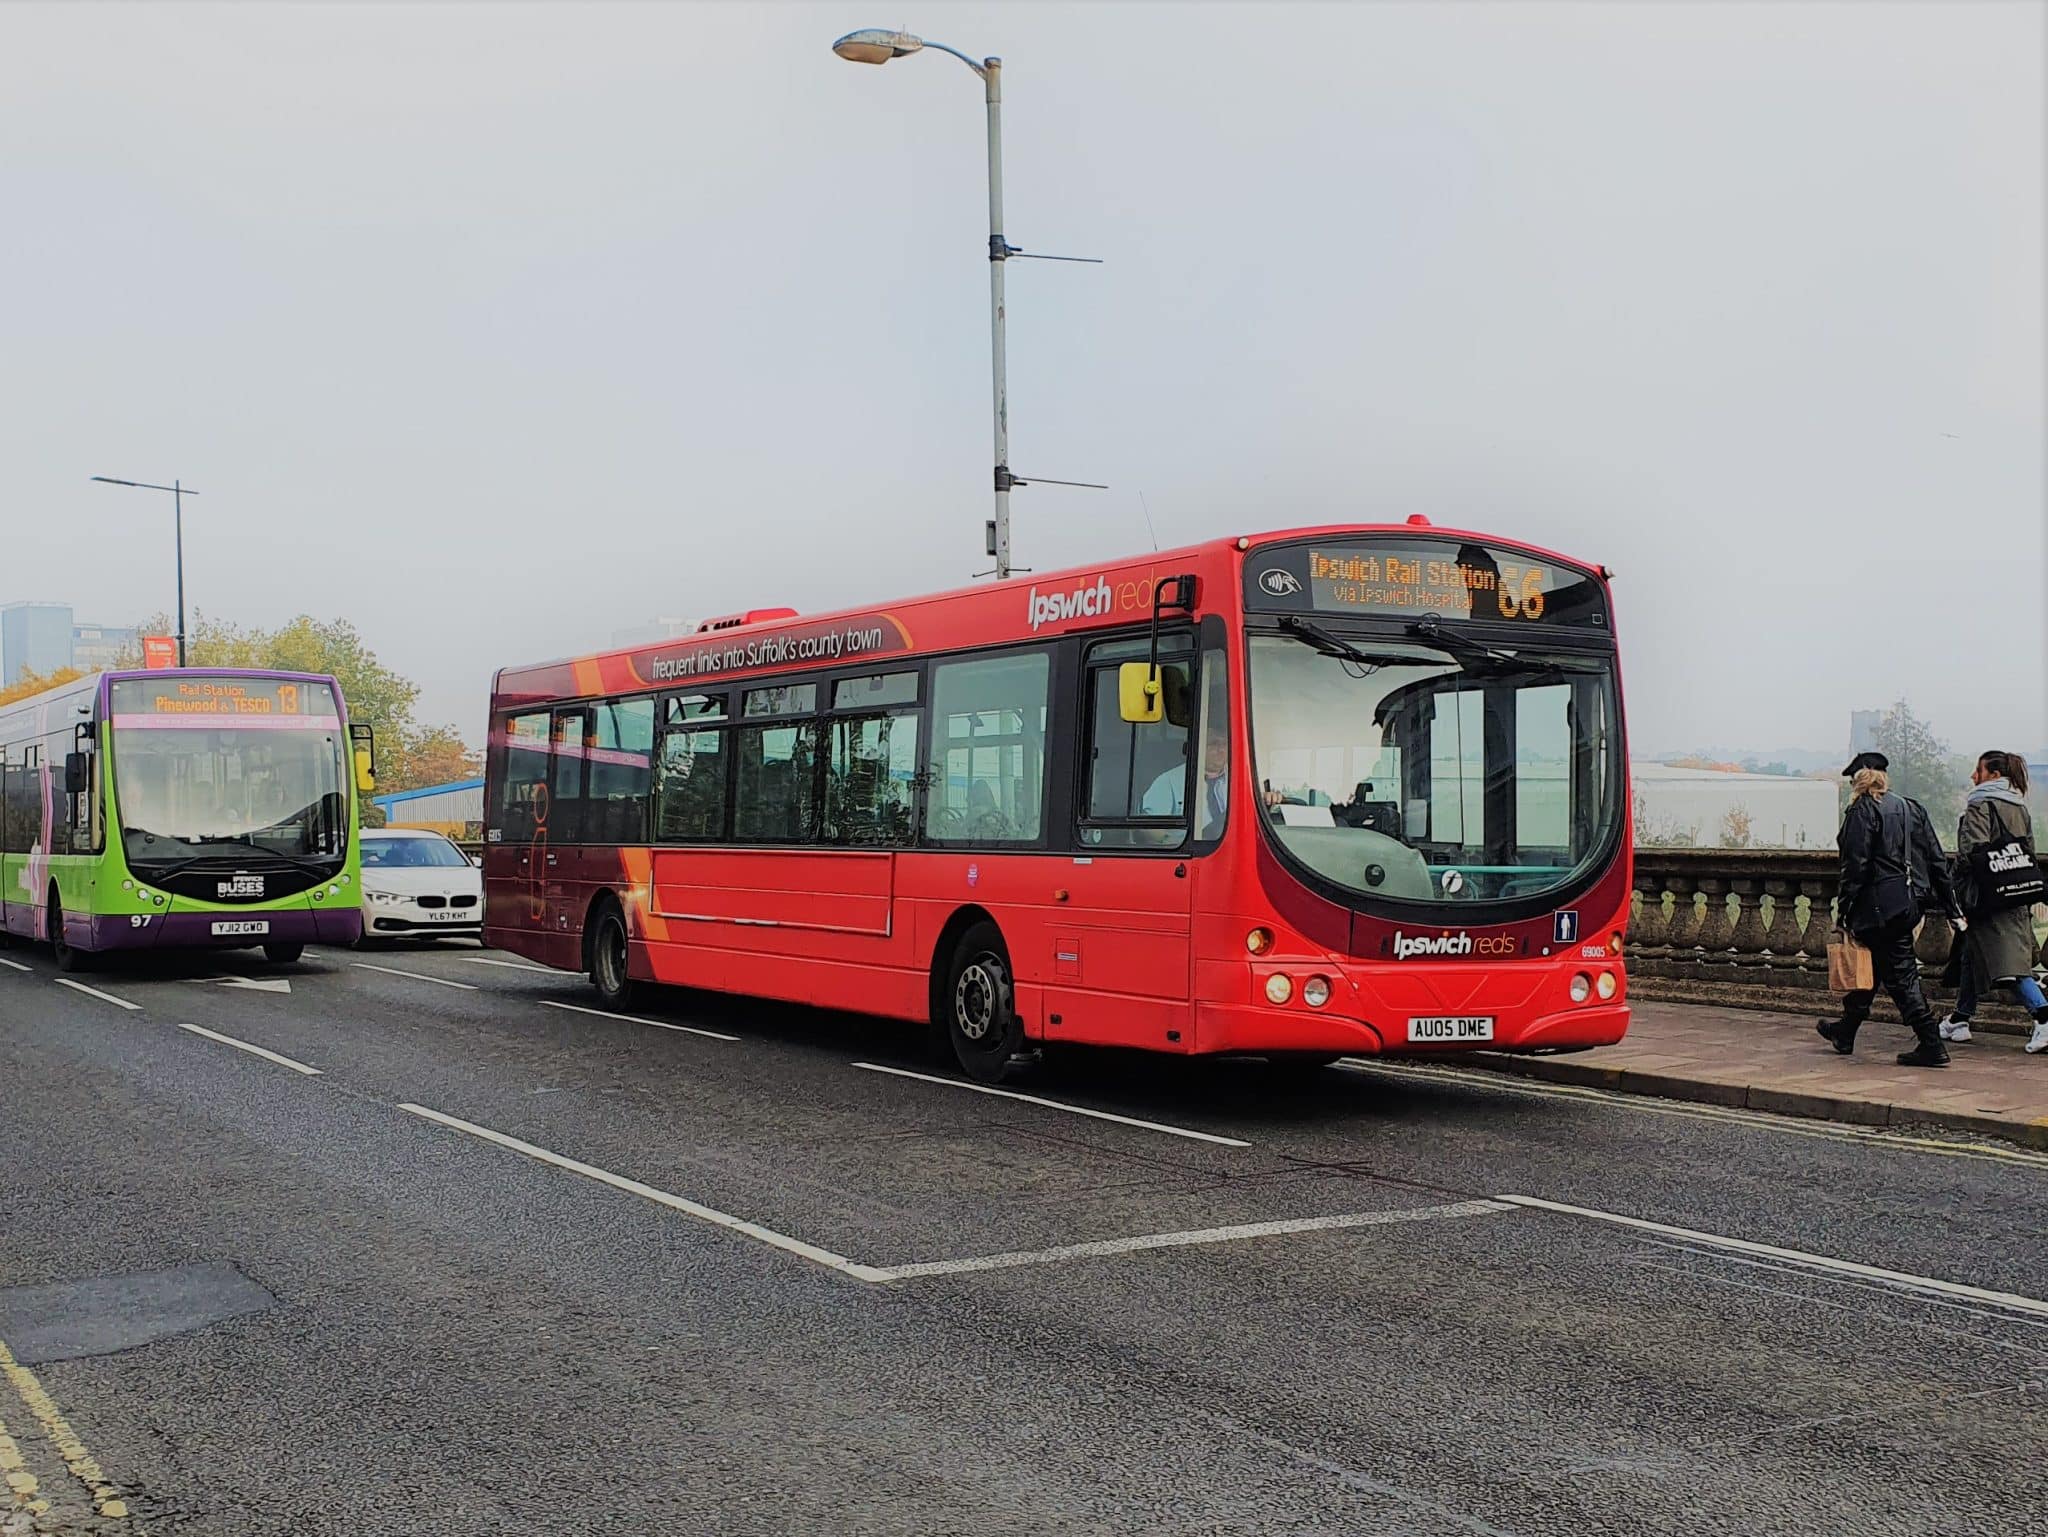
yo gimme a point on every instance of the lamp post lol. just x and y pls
(879, 46)
(178, 495)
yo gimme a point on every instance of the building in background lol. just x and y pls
(455, 808)
(34, 637)
(102, 647)
(1715, 808)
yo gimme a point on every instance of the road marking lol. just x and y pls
(417, 976)
(1490, 1081)
(2010, 1302)
(1205, 1235)
(15, 964)
(712, 1215)
(634, 1019)
(546, 971)
(257, 984)
(119, 1003)
(254, 1051)
(106, 1499)
(1053, 1104)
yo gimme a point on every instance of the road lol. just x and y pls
(424, 1245)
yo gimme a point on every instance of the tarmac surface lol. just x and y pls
(426, 1245)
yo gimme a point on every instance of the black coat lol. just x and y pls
(1890, 860)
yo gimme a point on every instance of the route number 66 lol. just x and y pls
(1527, 603)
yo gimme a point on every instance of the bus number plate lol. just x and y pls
(243, 926)
(1451, 1027)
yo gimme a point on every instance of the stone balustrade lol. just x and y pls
(1751, 926)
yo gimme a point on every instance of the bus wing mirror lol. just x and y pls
(363, 749)
(77, 773)
(1138, 693)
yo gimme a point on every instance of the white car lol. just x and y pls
(419, 884)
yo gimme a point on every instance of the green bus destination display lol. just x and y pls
(1409, 578)
(308, 704)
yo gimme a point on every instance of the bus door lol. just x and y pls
(517, 840)
(560, 870)
(1122, 964)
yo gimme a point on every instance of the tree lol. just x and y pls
(1920, 765)
(34, 683)
(438, 756)
(1736, 827)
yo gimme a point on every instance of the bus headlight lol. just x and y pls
(1278, 988)
(1606, 985)
(1582, 988)
(1315, 992)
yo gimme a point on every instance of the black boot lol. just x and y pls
(1838, 1033)
(1929, 1052)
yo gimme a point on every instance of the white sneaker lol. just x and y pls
(1953, 1029)
(2038, 1041)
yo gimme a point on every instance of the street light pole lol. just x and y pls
(998, 257)
(879, 46)
(178, 495)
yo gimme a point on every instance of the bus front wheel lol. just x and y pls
(67, 956)
(608, 957)
(283, 955)
(980, 1006)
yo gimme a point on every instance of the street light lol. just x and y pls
(178, 495)
(878, 46)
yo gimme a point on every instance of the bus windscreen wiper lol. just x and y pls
(1431, 629)
(1310, 633)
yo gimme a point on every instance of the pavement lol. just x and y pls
(1776, 1063)
(426, 1245)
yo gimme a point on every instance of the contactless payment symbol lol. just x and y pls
(1565, 930)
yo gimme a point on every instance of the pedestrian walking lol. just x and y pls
(2001, 881)
(1886, 875)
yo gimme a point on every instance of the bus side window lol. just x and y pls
(570, 755)
(775, 793)
(1139, 774)
(690, 775)
(621, 772)
(522, 787)
(986, 759)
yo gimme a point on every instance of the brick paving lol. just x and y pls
(1775, 1062)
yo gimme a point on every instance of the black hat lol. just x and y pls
(1866, 760)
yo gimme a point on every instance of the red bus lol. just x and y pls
(1295, 795)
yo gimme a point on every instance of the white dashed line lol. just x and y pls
(254, 1051)
(16, 965)
(1053, 1104)
(417, 976)
(740, 1225)
(634, 1019)
(484, 960)
(1926, 1285)
(1196, 1236)
(119, 1003)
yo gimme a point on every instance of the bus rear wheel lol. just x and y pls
(608, 957)
(979, 1003)
(283, 955)
(67, 955)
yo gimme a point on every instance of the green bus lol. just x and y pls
(181, 807)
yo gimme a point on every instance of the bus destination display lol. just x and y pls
(1411, 578)
(241, 697)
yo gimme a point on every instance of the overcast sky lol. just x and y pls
(497, 328)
